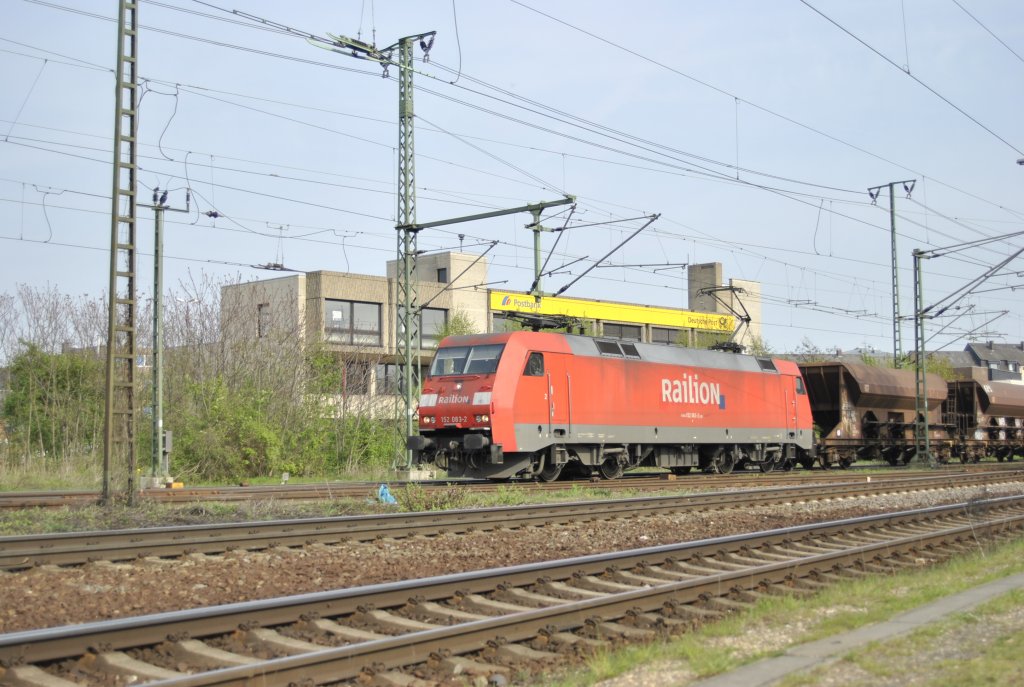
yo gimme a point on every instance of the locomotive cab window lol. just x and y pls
(534, 365)
(470, 360)
(800, 386)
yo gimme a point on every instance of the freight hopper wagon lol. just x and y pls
(988, 417)
(530, 404)
(863, 412)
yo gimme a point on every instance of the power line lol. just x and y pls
(917, 80)
(1001, 41)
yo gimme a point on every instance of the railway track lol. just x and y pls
(76, 548)
(492, 621)
(360, 490)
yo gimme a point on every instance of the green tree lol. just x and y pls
(458, 323)
(55, 403)
(758, 346)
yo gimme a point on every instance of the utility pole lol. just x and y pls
(159, 464)
(897, 336)
(922, 440)
(119, 412)
(408, 314)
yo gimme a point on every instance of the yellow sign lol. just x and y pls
(510, 301)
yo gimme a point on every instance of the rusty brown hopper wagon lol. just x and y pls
(868, 413)
(989, 418)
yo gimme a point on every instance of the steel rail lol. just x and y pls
(76, 548)
(666, 577)
(336, 490)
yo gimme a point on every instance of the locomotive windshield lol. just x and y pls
(466, 360)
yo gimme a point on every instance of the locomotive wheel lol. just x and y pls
(766, 465)
(611, 469)
(550, 472)
(723, 462)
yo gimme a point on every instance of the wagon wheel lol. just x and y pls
(550, 472)
(611, 468)
(845, 462)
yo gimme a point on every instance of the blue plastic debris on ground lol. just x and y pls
(384, 495)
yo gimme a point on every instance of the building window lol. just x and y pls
(500, 323)
(432, 325)
(351, 322)
(389, 378)
(442, 275)
(627, 332)
(262, 320)
(664, 335)
(356, 378)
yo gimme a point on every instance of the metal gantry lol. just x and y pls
(922, 312)
(119, 418)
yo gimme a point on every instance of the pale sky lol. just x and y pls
(754, 128)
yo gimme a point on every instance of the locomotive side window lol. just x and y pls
(800, 386)
(534, 365)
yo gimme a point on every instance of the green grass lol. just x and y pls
(980, 647)
(775, 623)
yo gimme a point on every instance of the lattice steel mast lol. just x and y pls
(119, 422)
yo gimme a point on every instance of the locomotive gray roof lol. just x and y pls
(671, 355)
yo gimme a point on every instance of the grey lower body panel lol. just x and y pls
(530, 437)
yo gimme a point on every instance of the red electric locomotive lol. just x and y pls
(529, 404)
